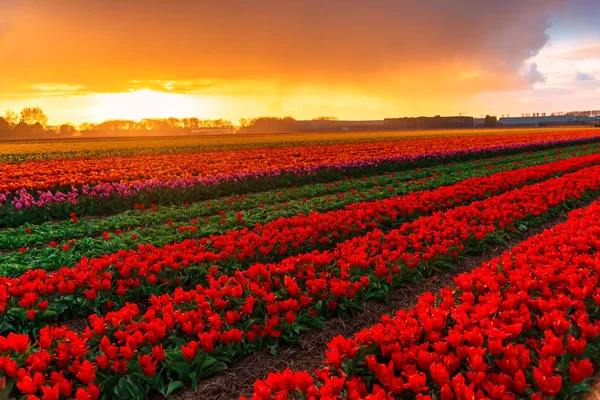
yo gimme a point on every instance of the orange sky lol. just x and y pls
(352, 59)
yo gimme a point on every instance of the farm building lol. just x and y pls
(336, 125)
(436, 122)
(546, 121)
(478, 122)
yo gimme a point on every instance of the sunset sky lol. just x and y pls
(95, 60)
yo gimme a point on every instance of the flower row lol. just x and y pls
(127, 275)
(523, 325)
(82, 171)
(66, 253)
(44, 190)
(146, 215)
(188, 335)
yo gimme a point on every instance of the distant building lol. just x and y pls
(336, 125)
(551, 120)
(437, 122)
(478, 122)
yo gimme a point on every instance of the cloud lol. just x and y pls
(57, 88)
(8, 12)
(469, 74)
(551, 92)
(582, 76)
(420, 48)
(357, 58)
(205, 86)
(534, 75)
(584, 53)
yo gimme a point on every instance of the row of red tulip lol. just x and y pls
(523, 325)
(75, 172)
(38, 296)
(176, 223)
(186, 336)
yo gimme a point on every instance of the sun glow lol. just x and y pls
(146, 103)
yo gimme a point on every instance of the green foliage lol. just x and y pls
(490, 121)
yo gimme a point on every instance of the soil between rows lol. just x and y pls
(238, 380)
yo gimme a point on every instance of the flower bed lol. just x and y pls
(189, 334)
(43, 190)
(126, 276)
(523, 325)
(177, 223)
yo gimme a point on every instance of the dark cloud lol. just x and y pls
(582, 76)
(534, 75)
(8, 10)
(579, 17)
(417, 48)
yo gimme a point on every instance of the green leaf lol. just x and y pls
(273, 348)
(135, 388)
(6, 391)
(5, 328)
(17, 313)
(182, 369)
(48, 315)
(121, 388)
(313, 322)
(211, 367)
(206, 364)
(178, 341)
(582, 387)
(175, 356)
(173, 386)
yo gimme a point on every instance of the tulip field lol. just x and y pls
(144, 269)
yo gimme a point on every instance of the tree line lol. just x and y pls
(273, 124)
(586, 113)
(155, 125)
(32, 122)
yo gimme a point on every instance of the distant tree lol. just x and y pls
(4, 125)
(155, 124)
(116, 125)
(34, 115)
(271, 124)
(585, 113)
(67, 130)
(12, 117)
(325, 119)
(191, 123)
(23, 129)
(244, 123)
(175, 122)
(220, 123)
(490, 121)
